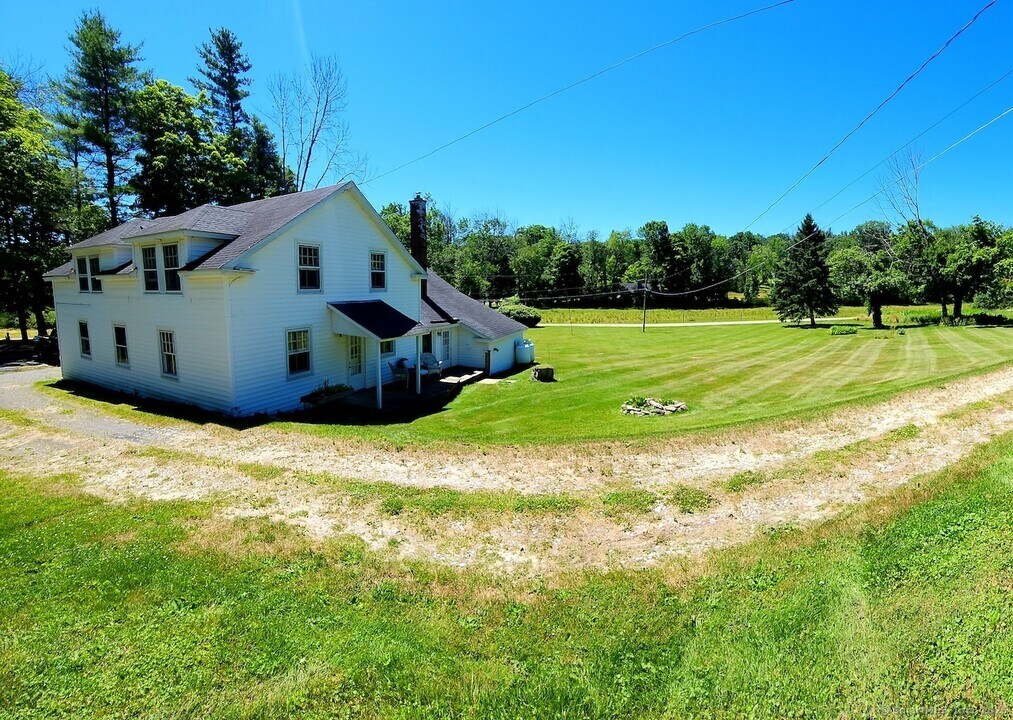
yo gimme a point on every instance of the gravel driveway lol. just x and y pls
(265, 472)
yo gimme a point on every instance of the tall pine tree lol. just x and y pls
(99, 89)
(803, 288)
(246, 164)
(224, 67)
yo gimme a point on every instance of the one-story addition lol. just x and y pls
(246, 309)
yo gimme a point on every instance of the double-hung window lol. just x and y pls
(170, 264)
(82, 331)
(120, 344)
(167, 349)
(309, 267)
(298, 343)
(149, 264)
(87, 275)
(378, 271)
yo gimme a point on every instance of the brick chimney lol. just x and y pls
(419, 245)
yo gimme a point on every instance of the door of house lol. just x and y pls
(443, 336)
(355, 375)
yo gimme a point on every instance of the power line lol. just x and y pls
(541, 296)
(879, 107)
(931, 127)
(590, 77)
(851, 210)
(728, 279)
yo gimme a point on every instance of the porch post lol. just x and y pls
(418, 363)
(379, 379)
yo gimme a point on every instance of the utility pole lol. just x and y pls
(643, 326)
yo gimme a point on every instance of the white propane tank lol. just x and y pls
(524, 352)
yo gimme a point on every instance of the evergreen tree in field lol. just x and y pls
(223, 67)
(99, 89)
(803, 288)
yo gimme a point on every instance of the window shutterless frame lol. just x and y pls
(167, 353)
(93, 271)
(120, 345)
(149, 265)
(170, 266)
(377, 270)
(297, 346)
(82, 331)
(308, 273)
(82, 275)
(387, 347)
(87, 274)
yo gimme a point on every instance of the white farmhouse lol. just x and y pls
(246, 309)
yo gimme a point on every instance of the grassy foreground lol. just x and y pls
(727, 375)
(900, 608)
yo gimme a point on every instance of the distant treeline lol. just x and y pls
(801, 275)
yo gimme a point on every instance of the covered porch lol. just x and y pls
(431, 391)
(379, 331)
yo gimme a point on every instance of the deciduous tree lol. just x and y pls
(35, 196)
(175, 136)
(309, 113)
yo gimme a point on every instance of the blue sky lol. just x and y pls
(709, 130)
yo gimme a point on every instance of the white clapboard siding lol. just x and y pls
(266, 303)
(231, 326)
(472, 349)
(196, 317)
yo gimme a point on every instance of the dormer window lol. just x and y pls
(87, 274)
(170, 264)
(167, 276)
(149, 262)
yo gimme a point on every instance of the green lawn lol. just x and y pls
(635, 315)
(155, 609)
(727, 375)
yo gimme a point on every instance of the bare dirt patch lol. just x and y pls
(805, 471)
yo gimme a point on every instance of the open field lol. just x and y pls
(727, 375)
(891, 314)
(775, 551)
(142, 608)
(15, 333)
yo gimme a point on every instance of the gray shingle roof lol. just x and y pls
(62, 271)
(485, 321)
(379, 318)
(206, 218)
(248, 223)
(266, 217)
(112, 236)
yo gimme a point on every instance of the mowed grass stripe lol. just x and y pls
(726, 374)
(846, 368)
(972, 341)
(758, 384)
